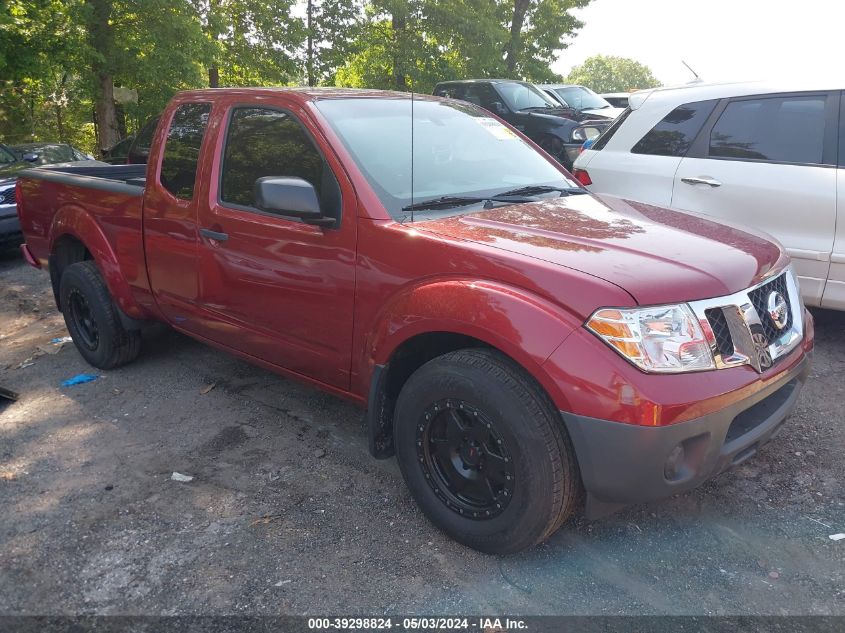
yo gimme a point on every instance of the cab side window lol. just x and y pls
(182, 149)
(266, 142)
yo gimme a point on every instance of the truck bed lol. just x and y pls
(126, 179)
(101, 204)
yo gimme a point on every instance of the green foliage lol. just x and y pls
(59, 57)
(605, 73)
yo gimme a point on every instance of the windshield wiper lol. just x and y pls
(448, 202)
(533, 190)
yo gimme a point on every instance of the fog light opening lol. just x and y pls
(674, 467)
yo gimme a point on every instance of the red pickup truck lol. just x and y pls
(522, 346)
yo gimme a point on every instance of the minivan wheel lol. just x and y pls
(484, 452)
(92, 318)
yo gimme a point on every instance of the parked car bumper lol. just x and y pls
(625, 463)
(10, 226)
(570, 153)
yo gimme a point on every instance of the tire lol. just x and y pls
(93, 320)
(476, 408)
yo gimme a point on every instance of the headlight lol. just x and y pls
(665, 339)
(579, 134)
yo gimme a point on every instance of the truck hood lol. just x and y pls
(656, 255)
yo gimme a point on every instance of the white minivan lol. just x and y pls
(768, 157)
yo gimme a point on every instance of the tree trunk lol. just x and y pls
(101, 37)
(398, 24)
(520, 8)
(214, 77)
(106, 112)
(60, 123)
(310, 53)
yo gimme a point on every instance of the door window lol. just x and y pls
(182, 149)
(265, 142)
(781, 129)
(674, 134)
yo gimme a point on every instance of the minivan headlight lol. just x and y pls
(660, 339)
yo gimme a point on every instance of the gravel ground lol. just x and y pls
(288, 514)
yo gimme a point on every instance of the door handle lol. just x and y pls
(701, 181)
(214, 235)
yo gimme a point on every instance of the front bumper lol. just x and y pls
(570, 152)
(10, 225)
(624, 463)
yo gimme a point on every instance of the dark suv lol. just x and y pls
(526, 107)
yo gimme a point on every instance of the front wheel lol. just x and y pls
(484, 452)
(92, 318)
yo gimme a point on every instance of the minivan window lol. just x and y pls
(182, 149)
(675, 132)
(459, 150)
(781, 129)
(266, 142)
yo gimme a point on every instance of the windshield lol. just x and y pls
(523, 96)
(581, 98)
(6, 156)
(48, 154)
(459, 150)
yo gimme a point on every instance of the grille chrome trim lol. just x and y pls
(741, 317)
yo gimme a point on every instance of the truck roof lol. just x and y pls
(304, 93)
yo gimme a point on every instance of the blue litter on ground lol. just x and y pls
(60, 340)
(79, 379)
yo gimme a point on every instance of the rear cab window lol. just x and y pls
(182, 149)
(675, 132)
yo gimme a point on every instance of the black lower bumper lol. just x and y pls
(623, 464)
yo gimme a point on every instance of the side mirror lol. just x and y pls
(585, 133)
(30, 157)
(499, 108)
(291, 197)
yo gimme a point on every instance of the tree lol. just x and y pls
(537, 30)
(249, 41)
(605, 73)
(333, 29)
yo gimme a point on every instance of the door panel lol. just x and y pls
(794, 203)
(834, 291)
(276, 288)
(767, 162)
(170, 215)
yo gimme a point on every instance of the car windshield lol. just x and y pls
(582, 98)
(459, 151)
(6, 156)
(520, 96)
(48, 154)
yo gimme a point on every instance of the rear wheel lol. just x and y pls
(93, 320)
(484, 452)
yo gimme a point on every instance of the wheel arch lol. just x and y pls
(75, 236)
(419, 327)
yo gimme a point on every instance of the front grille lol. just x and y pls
(759, 299)
(743, 332)
(719, 325)
(7, 196)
